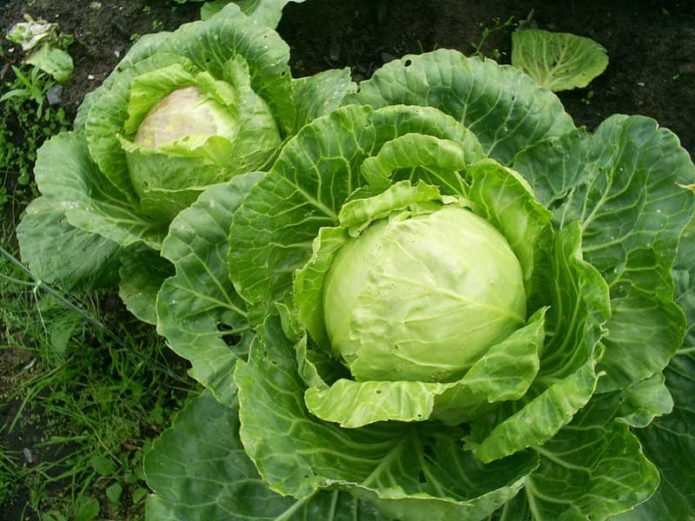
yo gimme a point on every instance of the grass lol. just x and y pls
(84, 387)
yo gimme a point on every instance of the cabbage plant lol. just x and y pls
(182, 111)
(443, 302)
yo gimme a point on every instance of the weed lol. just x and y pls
(92, 388)
(83, 385)
(487, 31)
(26, 121)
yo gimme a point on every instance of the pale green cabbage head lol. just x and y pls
(422, 297)
(185, 114)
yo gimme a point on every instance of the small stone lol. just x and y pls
(54, 95)
(95, 5)
(28, 456)
(90, 76)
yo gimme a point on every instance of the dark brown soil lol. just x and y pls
(103, 31)
(651, 45)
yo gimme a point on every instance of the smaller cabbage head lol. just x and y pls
(188, 130)
(422, 297)
(186, 113)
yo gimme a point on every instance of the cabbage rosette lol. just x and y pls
(181, 112)
(443, 301)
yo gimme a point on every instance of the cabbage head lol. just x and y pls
(181, 112)
(443, 302)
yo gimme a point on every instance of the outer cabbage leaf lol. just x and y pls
(407, 471)
(643, 401)
(266, 12)
(628, 185)
(558, 61)
(85, 259)
(592, 469)
(142, 273)
(202, 452)
(319, 94)
(198, 310)
(77, 200)
(670, 440)
(670, 443)
(503, 107)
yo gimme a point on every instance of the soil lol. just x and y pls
(651, 46)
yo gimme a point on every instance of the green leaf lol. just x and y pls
(61, 330)
(558, 61)
(505, 200)
(138, 495)
(540, 419)
(114, 493)
(503, 107)
(628, 186)
(198, 309)
(567, 377)
(594, 468)
(103, 465)
(210, 9)
(669, 441)
(409, 471)
(505, 372)
(85, 260)
(86, 509)
(416, 156)
(156, 509)
(645, 400)
(265, 12)
(317, 95)
(202, 453)
(142, 274)
(77, 215)
(55, 62)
